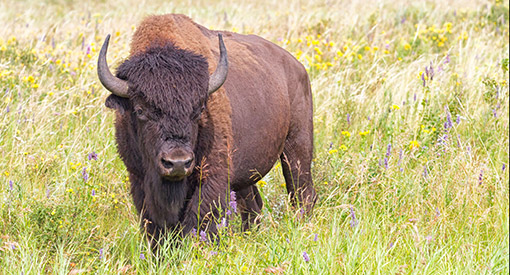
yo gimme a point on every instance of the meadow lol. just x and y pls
(411, 116)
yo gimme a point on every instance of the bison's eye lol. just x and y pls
(140, 113)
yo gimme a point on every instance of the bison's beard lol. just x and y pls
(164, 200)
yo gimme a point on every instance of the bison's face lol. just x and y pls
(166, 139)
(161, 94)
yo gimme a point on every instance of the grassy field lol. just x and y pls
(411, 141)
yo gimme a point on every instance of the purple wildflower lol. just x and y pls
(354, 221)
(400, 156)
(222, 224)
(425, 171)
(503, 167)
(85, 174)
(349, 118)
(388, 151)
(88, 50)
(92, 155)
(7, 109)
(449, 120)
(414, 97)
(100, 253)
(142, 257)
(203, 236)
(423, 79)
(93, 192)
(429, 238)
(306, 257)
(315, 237)
(287, 240)
(194, 232)
(10, 185)
(495, 113)
(368, 117)
(214, 253)
(403, 20)
(447, 59)
(13, 246)
(457, 120)
(386, 163)
(47, 193)
(233, 203)
(480, 177)
(437, 212)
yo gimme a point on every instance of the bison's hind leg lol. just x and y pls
(250, 205)
(296, 162)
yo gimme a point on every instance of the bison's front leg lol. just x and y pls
(250, 205)
(205, 208)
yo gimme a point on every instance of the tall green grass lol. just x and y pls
(411, 166)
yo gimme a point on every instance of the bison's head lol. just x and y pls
(163, 92)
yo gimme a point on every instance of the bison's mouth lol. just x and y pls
(172, 179)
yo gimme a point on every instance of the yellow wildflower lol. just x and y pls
(332, 151)
(346, 133)
(364, 133)
(414, 144)
(262, 183)
(343, 147)
(395, 107)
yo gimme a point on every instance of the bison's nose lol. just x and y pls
(176, 166)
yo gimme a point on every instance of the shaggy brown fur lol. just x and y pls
(263, 112)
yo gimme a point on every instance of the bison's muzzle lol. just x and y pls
(176, 164)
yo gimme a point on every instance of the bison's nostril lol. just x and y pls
(188, 163)
(167, 164)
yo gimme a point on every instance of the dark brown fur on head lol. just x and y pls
(167, 93)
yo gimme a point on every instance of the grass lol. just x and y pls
(411, 166)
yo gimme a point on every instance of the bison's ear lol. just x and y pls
(117, 103)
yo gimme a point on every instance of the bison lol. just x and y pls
(192, 125)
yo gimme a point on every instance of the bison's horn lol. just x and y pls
(220, 74)
(112, 83)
